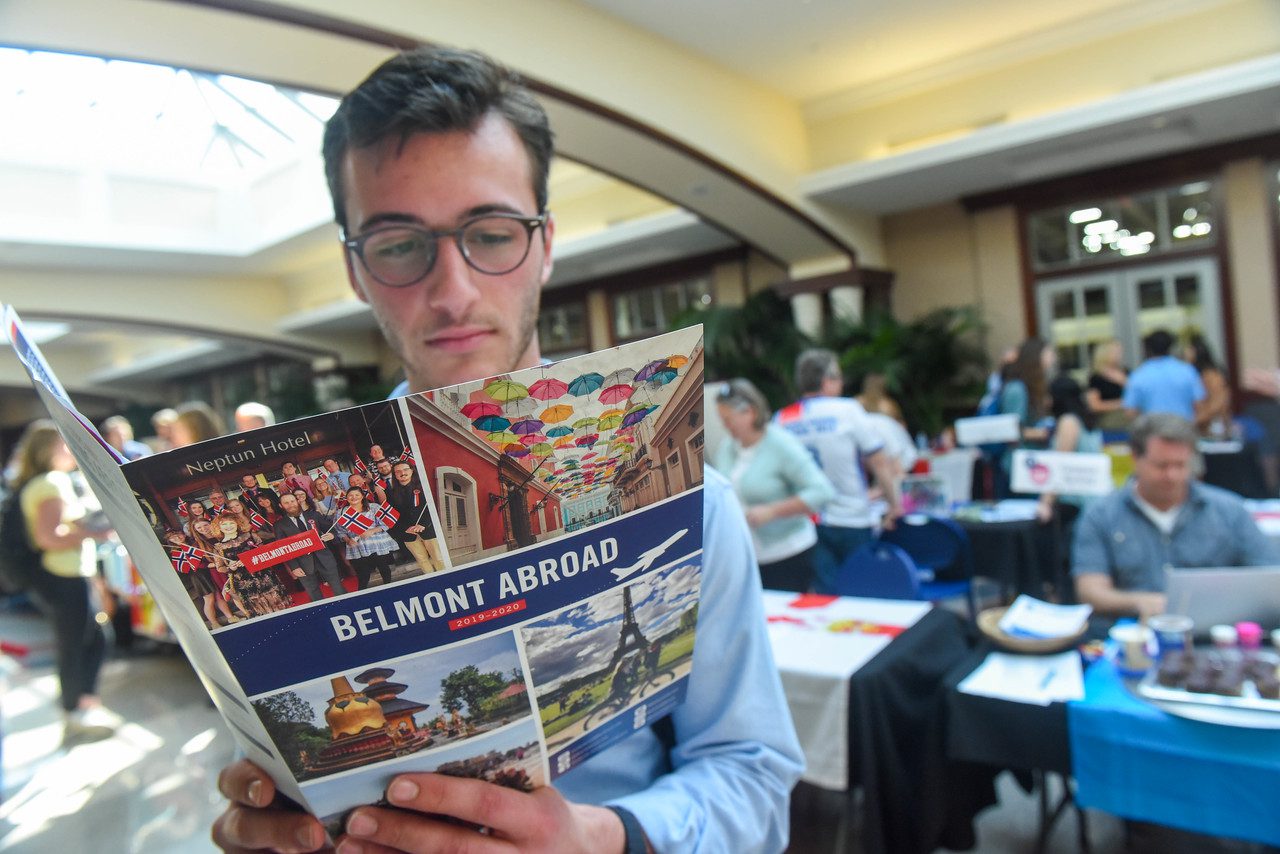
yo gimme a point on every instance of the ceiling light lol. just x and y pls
(1105, 226)
(1085, 215)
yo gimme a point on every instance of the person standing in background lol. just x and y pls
(1163, 382)
(1213, 415)
(65, 584)
(1105, 394)
(253, 415)
(195, 422)
(841, 437)
(778, 482)
(119, 435)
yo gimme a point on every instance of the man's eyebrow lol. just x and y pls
(394, 218)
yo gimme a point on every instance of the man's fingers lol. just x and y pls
(507, 811)
(242, 782)
(242, 829)
(371, 831)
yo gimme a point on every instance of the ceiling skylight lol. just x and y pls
(133, 118)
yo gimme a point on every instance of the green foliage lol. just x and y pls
(757, 340)
(930, 364)
(467, 685)
(288, 720)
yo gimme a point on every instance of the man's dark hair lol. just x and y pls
(814, 366)
(1157, 344)
(434, 90)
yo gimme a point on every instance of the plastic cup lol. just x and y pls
(1134, 645)
(1224, 636)
(1173, 632)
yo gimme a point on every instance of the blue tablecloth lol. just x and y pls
(1136, 761)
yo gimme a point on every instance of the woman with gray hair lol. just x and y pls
(777, 481)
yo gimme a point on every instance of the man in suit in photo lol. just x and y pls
(310, 569)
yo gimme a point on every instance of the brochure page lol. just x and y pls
(497, 580)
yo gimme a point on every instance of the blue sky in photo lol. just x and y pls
(580, 640)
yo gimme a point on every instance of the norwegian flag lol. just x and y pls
(361, 467)
(382, 483)
(182, 507)
(185, 559)
(355, 523)
(406, 456)
(387, 516)
(257, 520)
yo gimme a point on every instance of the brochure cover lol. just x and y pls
(497, 580)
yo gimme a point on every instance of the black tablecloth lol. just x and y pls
(914, 798)
(1240, 472)
(1022, 556)
(1002, 733)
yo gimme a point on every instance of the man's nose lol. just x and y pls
(451, 288)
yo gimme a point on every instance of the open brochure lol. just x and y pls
(518, 563)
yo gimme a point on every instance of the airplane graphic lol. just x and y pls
(647, 558)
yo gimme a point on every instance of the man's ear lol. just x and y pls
(548, 232)
(351, 275)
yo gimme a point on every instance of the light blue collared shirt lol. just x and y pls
(728, 781)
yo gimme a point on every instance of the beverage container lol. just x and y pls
(1224, 637)
(1250, 635)
(1135, 645)
(1173, 632)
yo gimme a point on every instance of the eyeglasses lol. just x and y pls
(401, 255)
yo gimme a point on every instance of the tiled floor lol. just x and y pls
(152, 787)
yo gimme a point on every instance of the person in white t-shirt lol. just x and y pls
(842, 439)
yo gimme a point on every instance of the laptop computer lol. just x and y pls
(1225, 594)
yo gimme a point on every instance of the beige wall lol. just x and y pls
(1252, 261)
(943, 256)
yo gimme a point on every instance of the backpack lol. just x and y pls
(19, 559)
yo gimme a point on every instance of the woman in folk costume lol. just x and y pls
(261, 590)
(364, 527)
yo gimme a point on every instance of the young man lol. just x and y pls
(1162, 517)
(438, 168)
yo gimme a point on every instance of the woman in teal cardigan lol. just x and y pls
(778, 482)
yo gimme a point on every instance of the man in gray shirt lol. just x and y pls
(1160, 518)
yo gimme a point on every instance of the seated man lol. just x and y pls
(1160, 518)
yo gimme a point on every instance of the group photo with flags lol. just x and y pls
(292, 513)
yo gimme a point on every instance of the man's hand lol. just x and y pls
(508, 820)
(1149, 604)
(251, 823)
(298, 573)
(324, 538)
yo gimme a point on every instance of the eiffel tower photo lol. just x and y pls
(631, 638)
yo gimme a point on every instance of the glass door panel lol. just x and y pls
(1078, 313)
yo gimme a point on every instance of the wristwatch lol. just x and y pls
(636, 842)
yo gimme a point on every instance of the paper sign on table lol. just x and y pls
(1060, 472)
(988, 429)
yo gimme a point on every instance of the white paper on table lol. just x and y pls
(1037, 679)
(1032, 618)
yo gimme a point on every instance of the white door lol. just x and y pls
(461, 526)
(1079, 312)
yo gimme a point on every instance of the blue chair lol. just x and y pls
(940, 549)
(879, 570)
